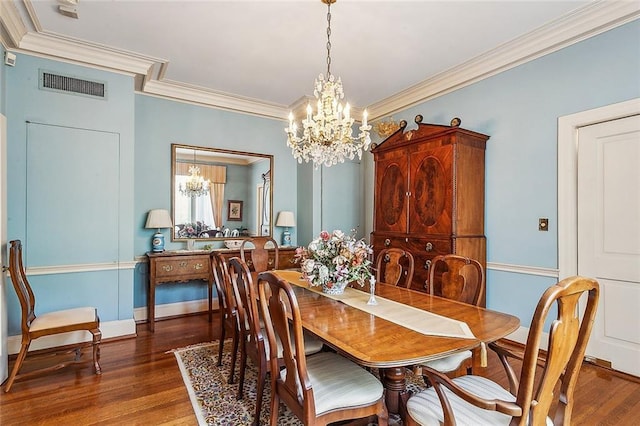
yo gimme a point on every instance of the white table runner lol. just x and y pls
(415, 319)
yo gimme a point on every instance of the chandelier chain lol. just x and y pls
(329, 40)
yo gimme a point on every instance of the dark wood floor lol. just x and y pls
(141, 385)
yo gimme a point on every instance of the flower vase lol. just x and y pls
(334, 288)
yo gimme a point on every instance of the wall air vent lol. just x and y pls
(74, 85)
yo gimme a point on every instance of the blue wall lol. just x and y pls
(110, 290)
(519, 109)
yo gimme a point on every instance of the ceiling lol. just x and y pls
(261, 57)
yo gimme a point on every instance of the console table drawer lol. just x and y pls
(182, 268)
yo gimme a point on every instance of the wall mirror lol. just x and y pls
(220, 194)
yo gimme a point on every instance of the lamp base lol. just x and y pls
(157, 242)
(286, 238)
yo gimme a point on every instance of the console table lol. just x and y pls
(177, 266)
(181, 266)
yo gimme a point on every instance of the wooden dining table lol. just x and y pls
(373, 341)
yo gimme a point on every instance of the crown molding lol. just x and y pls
(86, 53)
(12, 27)
(586, 22)
(593, 19)
(202, 96)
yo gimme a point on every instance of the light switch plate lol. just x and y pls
(543, 224)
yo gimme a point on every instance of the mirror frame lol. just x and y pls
(223, 152)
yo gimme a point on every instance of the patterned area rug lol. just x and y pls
(215, 401)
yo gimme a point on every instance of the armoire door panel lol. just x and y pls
(431, 191)
(391, 208)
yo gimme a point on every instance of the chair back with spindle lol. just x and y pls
(222, 281)
(21, 285)
(246, 301)
(458, 278)
(264, 253)
(568, 337)
(394, 266)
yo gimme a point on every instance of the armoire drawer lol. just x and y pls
(428, 246)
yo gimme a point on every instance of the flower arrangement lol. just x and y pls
(334, 260)
(192, 230)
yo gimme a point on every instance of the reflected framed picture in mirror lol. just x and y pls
(235, 210)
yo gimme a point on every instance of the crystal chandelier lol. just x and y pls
(327, 135)
(195, 186)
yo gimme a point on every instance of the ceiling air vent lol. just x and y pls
(67, 84)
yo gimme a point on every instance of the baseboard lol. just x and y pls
(110, 329)
(175, 309)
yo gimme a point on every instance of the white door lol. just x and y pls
(3, 249)
(609, 236)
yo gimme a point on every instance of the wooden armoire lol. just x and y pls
(429, 194)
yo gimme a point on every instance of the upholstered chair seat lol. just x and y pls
(63, 318)
(449, 363)
(425, 408)
(339, 383)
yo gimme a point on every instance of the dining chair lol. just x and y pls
(320, 389)
(49, 324)
(264, 253)
(478, 400)
(226, 308)
(252, 341)
(394, 266)
(458, 278)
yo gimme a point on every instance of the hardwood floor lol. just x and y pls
(141, 385)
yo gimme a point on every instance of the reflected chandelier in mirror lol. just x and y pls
(205, 180)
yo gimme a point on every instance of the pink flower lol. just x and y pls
(324, 235)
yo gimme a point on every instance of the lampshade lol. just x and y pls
(286, 219)
(158, 219)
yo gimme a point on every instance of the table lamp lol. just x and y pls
(286, 220)
(158, 219)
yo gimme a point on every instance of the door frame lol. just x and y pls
(568, 126)
(4, 332)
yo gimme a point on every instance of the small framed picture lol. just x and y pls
(235, 210)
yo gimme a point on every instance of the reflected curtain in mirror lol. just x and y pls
(265, 225)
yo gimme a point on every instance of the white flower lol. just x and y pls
(323, 272)
(338, 234)
(339, 260)
(308, 265)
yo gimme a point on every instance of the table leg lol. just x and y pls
(151, 305)
(393, 380)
